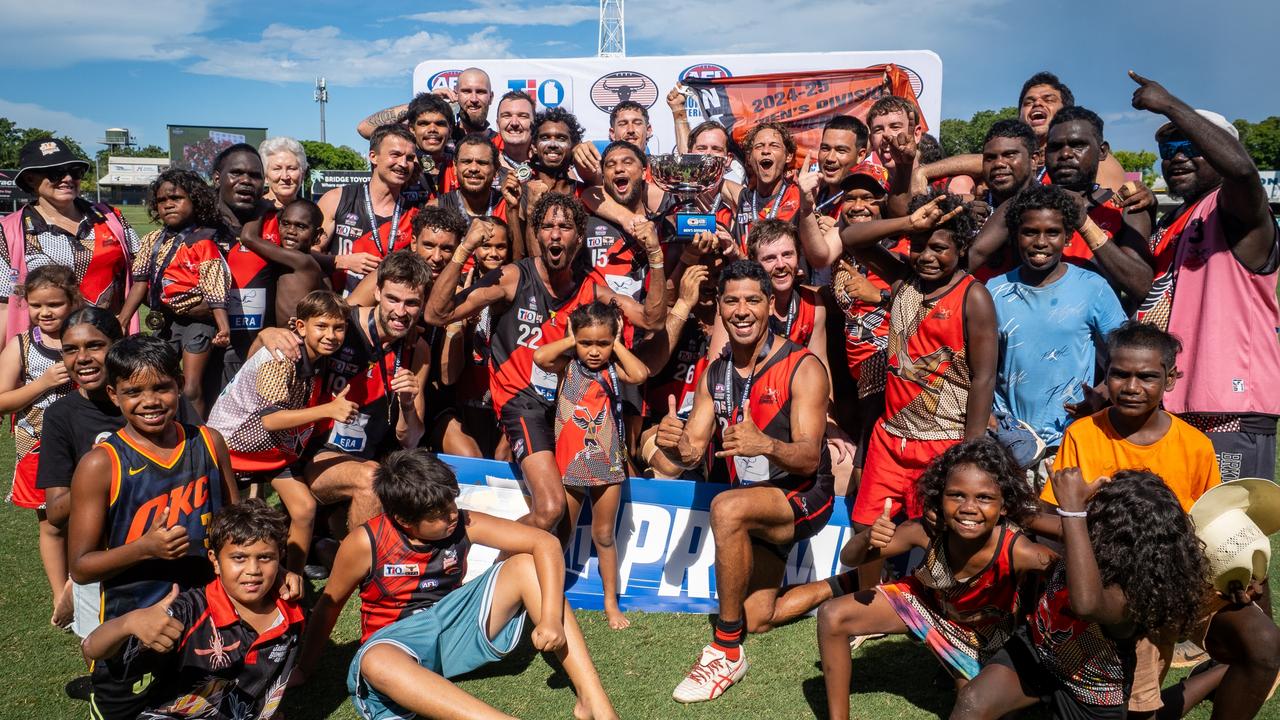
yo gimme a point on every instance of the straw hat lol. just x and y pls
(1234, 520)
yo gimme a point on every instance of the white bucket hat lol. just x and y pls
(1233, 520)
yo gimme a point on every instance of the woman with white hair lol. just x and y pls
(286, 165)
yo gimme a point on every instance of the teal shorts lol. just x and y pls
(449, 638)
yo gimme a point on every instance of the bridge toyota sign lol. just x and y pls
(591, 87)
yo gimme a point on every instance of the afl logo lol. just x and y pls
(444, 78)
(622, 86)
(705, 71)
(917, 82)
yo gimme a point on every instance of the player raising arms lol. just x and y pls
(532, 300)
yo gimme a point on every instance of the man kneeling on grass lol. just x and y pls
(421, 624)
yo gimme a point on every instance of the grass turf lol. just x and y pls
(893, 678)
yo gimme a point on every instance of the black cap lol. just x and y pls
(45, 153)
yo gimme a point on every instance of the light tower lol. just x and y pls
(613, 35)
(322, 97)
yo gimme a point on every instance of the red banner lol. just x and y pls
(802, 101)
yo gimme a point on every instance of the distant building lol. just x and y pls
(127, 179)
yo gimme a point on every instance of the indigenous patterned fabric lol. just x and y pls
(99, 258)
(927, 387)
(589, 447)
(964, 622)
(184, 269)
(1077, 652)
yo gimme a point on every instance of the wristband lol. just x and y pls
(1093, 235)
(1072, 513)
(461, 255)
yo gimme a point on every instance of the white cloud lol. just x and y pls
(499, 12)
(800, 25)
(29, 115)
(286, 53)
(57, 34)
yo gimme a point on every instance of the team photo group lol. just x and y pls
(1047, 404)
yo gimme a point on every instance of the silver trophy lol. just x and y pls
(686, 176)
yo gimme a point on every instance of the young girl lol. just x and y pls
(963, 599)
(590, 446)
(941, 352)
(180, 272)
(1132, 566)
(32, 377)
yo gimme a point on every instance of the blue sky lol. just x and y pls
(79, 66)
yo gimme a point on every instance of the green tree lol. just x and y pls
(959, 137)
(1262, 140)
(324, 156)
(1142, 161)
(148, 151)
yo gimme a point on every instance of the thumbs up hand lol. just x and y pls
(163, 542)
(883, 529)
(671, 429)
(744, 438)
(154, 627)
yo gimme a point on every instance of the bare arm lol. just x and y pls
(1251, 230)
(1090, 599)
(554, 356)
(655, 351)
(445, 305)
(230, 492)
(351, 565)
(990, 239)
(407, 384)
(981, 349)
(676, 100)
(548, 560)
(13, 396)
(630, 368)
(88, 560)
(386, 116)
(905, 537)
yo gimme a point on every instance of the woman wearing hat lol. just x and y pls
(61, 228)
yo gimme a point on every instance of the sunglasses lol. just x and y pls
(1170, 148)
(57, 173)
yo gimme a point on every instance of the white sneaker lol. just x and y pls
(710, 676)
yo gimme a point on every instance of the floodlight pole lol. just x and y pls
(322, 96)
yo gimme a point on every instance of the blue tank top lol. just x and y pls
(189, 483)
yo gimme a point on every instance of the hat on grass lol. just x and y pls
(1234, 519)
(42, 154)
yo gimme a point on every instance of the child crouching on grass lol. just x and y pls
(224, 649)
(963, 600)
(420, 624)
(592, 362)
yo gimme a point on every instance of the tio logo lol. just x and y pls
(548, 93)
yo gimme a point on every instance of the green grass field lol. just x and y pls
(640, 666)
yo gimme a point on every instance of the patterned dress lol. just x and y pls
(589, 447)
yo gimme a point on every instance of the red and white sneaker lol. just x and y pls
(710, 676)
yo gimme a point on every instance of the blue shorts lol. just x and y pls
(449, 638)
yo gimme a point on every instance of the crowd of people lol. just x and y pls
(1059, 397)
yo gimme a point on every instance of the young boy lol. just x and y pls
(420, 624)
(1134, 433)
(269, 410)
(1052, 317)
(223, 650)
(142, 498)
